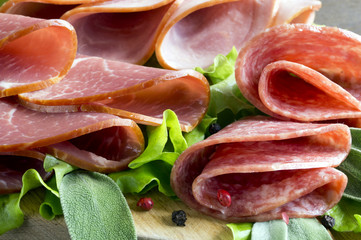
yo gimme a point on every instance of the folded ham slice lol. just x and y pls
(34, 53)
(93, 141)
(122, 30)
(14, 164)
(195, 31)
(267, 166)
(303, 72)
(130, 91)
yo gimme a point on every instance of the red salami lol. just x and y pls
(302, 72)
(131, 91)
(93, 141)
(267, 166)
(34, 53)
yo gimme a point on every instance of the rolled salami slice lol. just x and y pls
(34, 53)
(93, 141)
(267, 166)
(130, 91)
(195, 31)
(302, 72)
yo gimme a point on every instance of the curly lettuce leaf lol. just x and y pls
(241, 231)
(152, 168)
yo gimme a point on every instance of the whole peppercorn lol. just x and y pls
(224, 198)
(328, 221)
(179, 217)
(145, 203)
(214, 128)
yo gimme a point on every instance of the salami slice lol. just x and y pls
(195, 31)
(34, 53)
(93, 141)
(303, 72)
(267, 166)
(130, 91)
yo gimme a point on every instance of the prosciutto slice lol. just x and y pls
(93, 141)
(303, 72)
(268, 167)
(34, 53)
(130, 91)
(122, 30)
(14, 164)
(195, 31)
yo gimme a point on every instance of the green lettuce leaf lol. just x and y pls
(241, 231)
(95, 208)
(222, 67)
(144, 178)
(152, 168)
(227, 103)
(347, 215)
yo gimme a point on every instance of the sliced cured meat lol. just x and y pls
(14, 164)
(296, 11)
(46, 9)
(93, 141)
(195, 31)
(34, 53)
(302, 72)
(122, 30)
(131, 91)
(268, 167)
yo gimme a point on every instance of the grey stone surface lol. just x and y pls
(340, 13)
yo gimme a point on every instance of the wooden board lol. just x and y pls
(154, 224)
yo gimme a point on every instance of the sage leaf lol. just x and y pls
(95, 208)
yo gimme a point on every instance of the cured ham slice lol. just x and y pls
(34, 53)
(130, 91)
(302, 72)
(195, 31)
(14, 164)
(122, 30)
(93, 141)
(268, 167)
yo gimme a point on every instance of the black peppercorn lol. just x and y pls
(214, 128)
(328, 221)
(179, 217)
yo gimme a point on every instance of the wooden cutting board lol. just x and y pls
(154, 224)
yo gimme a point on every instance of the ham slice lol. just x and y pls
(93, 141)
(195, 31)
(122, 30)
(268, 167)
(303, 72)
(14, 164)
(34, 53)
(130, 91)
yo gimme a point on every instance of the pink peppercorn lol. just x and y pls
(224, 198)
(145, 203)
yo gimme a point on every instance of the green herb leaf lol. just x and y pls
(95, 208)
(297, 229)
